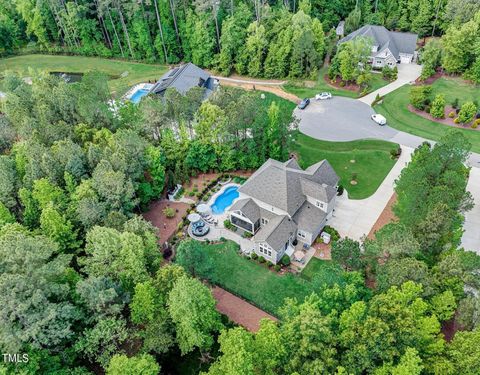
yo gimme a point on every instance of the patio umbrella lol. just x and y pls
(193, 218)
(203, 209)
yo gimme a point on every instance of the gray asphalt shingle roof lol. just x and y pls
(183, 78)
(277, 232)
(279, 185)
(309, 217)
(248, 207)
(396, 42)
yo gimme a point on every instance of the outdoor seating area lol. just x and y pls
(200, 228)
(205, 212)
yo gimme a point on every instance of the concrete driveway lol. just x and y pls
(355, 217)
(471, 236)
(345, 119)
(406, 74)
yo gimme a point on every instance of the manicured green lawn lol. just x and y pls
(372, 161)
(133, 72)
(395, 109)
(324, 271)
(321, 85)
(256, 283)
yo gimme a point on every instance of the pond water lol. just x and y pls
(225, 200)
(68, 77)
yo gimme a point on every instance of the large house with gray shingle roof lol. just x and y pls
(281, 204)
(388, 47)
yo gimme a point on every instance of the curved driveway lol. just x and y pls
(345, 119)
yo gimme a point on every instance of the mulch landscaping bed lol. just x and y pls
(386, 217)
(445, 121)
(166, 227)
(337, 84)
(238, 310)
(203, 179)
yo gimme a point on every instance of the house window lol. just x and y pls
(264, 221)
(319, 204)
(264, 250)
(301, 234)
(379, 61)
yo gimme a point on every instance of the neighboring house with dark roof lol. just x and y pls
(183, 78)
(281, 203)
(389, 48)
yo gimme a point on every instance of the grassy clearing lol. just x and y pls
(135, 72)
(372, 161)
(256, 283)
(321, 85)
(395, 108)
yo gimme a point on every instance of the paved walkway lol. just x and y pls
(406, 74)
(471, 236)
(354, 218)
(239, 310)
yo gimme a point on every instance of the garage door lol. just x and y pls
(406, 59)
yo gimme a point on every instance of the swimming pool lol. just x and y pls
(137, 95)
(225, 200)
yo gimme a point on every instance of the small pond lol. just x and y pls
(68, 77)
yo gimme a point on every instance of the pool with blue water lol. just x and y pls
(137, 95)
(225, 200)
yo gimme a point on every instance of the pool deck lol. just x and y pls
(134, 89)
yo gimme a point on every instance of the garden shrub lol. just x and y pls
(277, 267)
(254, 256)
(420, 96)
(451, 114)
(389, 73)
(228, 224)
(467, 112)
(340, 190)
(455, 103)
(261, 259)
(474, 125)
(269, 264)
(169, 212)
(285, 260)
(377, 99)
(456, 121)
(437, 109)
(396, 152)
(342, 83)
(335, 236)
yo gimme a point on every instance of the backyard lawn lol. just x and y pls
(371, 166)
(321, 85)
(395, 109)
(256, 283)
(122, 74)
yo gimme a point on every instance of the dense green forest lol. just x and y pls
(258, 38)
(456, 52)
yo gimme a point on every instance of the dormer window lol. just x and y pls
(319, 204)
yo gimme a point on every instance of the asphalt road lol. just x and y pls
(341, 119)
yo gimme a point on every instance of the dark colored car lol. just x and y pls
(304, 103)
